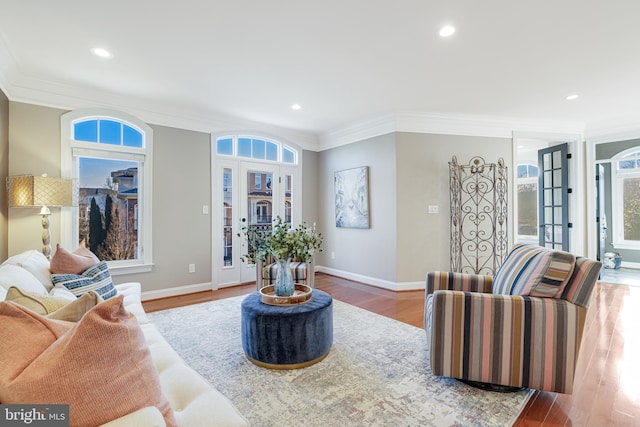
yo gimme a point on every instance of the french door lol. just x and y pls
(553, 197)
(247, 193)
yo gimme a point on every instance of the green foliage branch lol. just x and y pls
(281, 241)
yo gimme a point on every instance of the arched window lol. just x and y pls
(625, 196)
(109, 156)
(250, 147)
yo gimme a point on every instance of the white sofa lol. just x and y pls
(193, 400)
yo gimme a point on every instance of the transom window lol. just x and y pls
(108, 153)
(626, 199)
(255, 148)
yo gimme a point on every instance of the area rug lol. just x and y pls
(376, 374)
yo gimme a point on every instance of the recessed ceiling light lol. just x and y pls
(447, 30)
(572, 97)
(296, 107)
(101, 52)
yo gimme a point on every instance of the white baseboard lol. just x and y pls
(633, 265)
(199, 287)
(385, 284)
(175, 291)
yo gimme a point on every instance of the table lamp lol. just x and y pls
(40, 191)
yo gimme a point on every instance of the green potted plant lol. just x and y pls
(284, 244)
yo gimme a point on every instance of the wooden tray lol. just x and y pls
(301, 294)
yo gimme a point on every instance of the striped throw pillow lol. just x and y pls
(534, 271)
(96, 278)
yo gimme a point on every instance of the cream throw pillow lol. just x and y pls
(101, 366)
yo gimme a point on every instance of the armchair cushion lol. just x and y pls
(535, 271)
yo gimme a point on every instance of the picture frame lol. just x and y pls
(351, 189)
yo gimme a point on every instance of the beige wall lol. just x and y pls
(4, 172)
(408, 172)
(423, 180)
(181, 182)
(362, 252)
(181, 233)
(34, 148)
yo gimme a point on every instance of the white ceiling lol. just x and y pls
(231, 64)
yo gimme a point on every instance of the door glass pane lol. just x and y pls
(557, 197)
(548, 215)
(548, 200)
(556, 159)
(546, 161)
(288, 197)
(557, 178)
(557, 215)
(547, 179)
(259, 200)
(227, 215)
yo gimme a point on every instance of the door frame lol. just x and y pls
(590, 163)
(223, 276)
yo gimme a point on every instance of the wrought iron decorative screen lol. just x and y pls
(479, 233)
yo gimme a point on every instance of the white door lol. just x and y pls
(246, 193)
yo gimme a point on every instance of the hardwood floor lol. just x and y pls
(607, 385)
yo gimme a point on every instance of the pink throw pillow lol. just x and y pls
(65, 262)
(101, 366)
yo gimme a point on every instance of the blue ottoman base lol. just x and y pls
(287, 337)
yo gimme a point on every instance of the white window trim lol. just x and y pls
(617, 201)
(69, 227)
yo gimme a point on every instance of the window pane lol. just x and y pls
(546, 161)
(224, 146)
(258, 149)
(528, 209)
(227, 217)
(626, 164)
(533, 170)
(108, 207)
(288, 156)
(244, 147)
(631, 208)
(272, 151)
(522, 171)
(557, 158)
(86, 131)
(131, 137)
(110, 132)
(557, 178)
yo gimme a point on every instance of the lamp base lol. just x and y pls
(46, 234)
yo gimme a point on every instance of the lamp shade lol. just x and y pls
(30, 190)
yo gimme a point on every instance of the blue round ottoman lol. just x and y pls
(287, 336)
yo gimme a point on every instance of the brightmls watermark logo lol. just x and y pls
(34, 415)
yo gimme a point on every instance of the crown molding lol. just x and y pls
(620, 130)
(67, 97)
(444, 123)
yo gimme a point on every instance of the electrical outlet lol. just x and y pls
(205, 209)
(333, 255)
(433, 209)
(192, 268)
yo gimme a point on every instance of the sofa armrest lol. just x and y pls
(149, 416)
(509, 340)
(442, 280)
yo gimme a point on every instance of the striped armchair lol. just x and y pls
(302, 272)
(520, 328)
